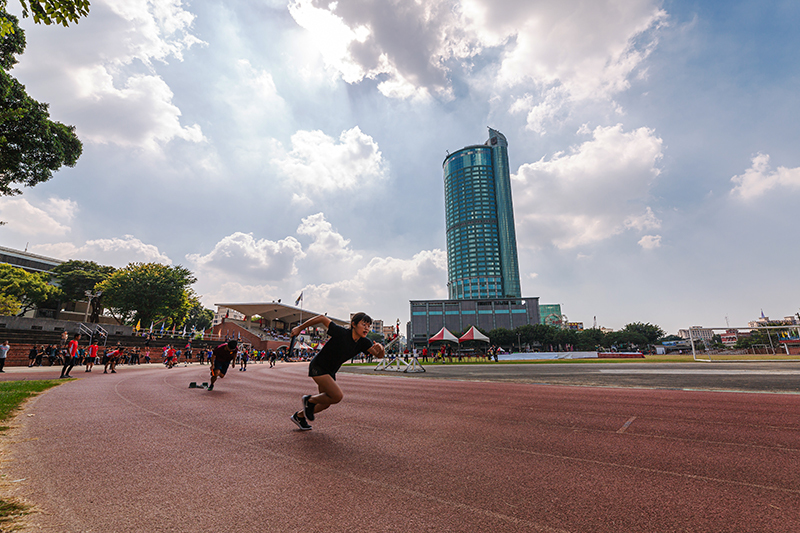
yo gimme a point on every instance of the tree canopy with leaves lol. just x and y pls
(545, 337)
(9, 306)
(77, 277)
(32, 146)
(650, 331)
(46, 12)
(29, 289)
(198, 317)
(148, 292)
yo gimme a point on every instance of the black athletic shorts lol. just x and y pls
(222, 366)
(315, 370)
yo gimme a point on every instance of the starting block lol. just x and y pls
(194, 385)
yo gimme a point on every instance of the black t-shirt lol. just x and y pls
(339, 349)
(223, 354)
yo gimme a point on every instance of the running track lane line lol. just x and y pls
(641, 469)
(626, 425)
(669, 437)
(354, 477)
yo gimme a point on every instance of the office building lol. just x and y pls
(481, 239)
(429, 316)
(483, 280)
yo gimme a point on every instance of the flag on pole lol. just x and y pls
(162, 328)
(138, 325)
(299, 299)
(151, 327)
(183, 334)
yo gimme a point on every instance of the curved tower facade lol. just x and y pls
(481, 240)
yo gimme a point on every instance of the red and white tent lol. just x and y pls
(443, 335)
(473, 335)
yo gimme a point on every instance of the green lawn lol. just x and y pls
(12, 394)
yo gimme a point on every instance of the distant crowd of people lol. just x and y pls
(71, 353)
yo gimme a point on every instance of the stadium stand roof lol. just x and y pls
(287, 314)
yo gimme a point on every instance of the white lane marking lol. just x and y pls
(699, 371)
(626, 424)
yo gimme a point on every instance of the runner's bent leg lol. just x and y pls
(329, 393)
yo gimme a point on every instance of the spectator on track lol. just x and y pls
(3, 354)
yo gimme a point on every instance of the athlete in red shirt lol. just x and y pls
(71, 356)
(92, 356)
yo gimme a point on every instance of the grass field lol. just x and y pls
(12, 394)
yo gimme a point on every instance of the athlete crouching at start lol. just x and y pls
(221, 358)
(344, 344)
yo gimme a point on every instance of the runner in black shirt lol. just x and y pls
(344, 344)
(221, 358)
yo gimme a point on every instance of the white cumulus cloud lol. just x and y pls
(50, 218)
(567, 50)
(328, 245)
(144, 105)
(374, 287)
(760, 178)
(242, 256)
(319, 163)
(650, 242)
(101, 75)
(115, 251)
(595, 191)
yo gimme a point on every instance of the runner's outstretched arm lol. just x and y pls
(319, 319)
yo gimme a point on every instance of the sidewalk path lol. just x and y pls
(138, 451)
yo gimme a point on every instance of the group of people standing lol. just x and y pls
(75, 356)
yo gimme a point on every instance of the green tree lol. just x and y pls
(564, 337)
(502, 337)
(76, 277)
(46, 12)
(199, 317)
(9, 306)
(651, 332)
(29, 289)
(32, 146)
(375, 337)
(716, 342)
(148, 292)
(627, 339)
(589, 339)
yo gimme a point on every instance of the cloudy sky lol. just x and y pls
(275, 147)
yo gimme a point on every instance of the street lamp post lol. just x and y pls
(91, 295)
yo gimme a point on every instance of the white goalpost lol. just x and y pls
(777, 343)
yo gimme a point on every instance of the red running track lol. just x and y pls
(140, 451)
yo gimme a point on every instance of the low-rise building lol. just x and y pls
(696, 333)
(731, 336)
(225, 312)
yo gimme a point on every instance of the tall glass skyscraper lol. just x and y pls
(481, 240)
